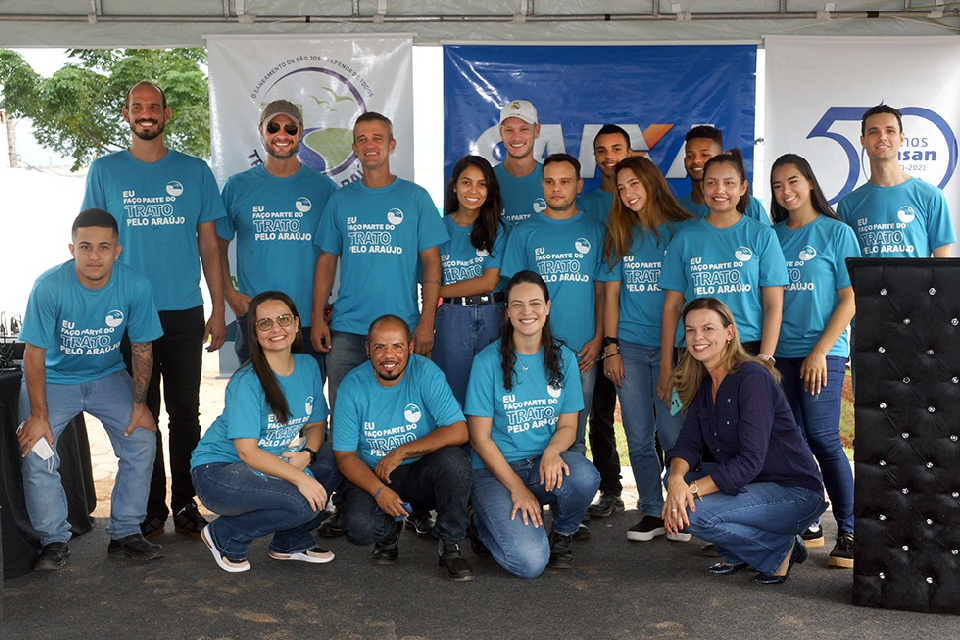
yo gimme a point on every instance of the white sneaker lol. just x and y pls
(680, 536)
(224, 563)
(315, 555)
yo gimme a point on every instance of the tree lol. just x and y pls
(17, 83)
(77, 110)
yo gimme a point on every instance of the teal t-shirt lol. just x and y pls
(524, 418)
(158, 206)
(569, 255)
(247, 415)
(81, 328)
(373, 420)
(815, 257)
(755, 209)
(641, 298)
(729, 264)
(522, 197)
(597, 203)
(908, 220)
(461, 260)
(378, 234)
(275, 222)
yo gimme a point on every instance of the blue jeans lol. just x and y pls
(587, 382)
(521, 549)
(643, 412)
(241, 345)
(461, 333)
(348, 350)
(110, 399)
(439, 480)
(251, 505)
(759, 525)
(819, 418)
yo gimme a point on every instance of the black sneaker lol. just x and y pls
(456, 566)
(561, 551)
(52, 557)
(331, 527)
(421, 523)
(135, 546)
(813, 537)
(606, 505)
(583, 533)
(387, 551)
(647, 529)
(188, 521)
(842, 554)
(479, 549)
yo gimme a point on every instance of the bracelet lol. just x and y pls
(378, 491)
(604, 356)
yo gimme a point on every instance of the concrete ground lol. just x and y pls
(618, 589)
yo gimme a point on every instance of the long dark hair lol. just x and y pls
(488, 222)
(819, 201)
(552, 358)
(258, 362)
(734, 158)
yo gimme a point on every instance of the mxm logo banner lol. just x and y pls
(655, 92)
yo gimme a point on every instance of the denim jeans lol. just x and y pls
(439, 480)
(109, 399)
(587, 381)
(645, 415)
(759, 525)
(819, 418)
(348, 350)
(461, 333)
(603, 438)
(241, 345)
(523, 550)
(252, 505)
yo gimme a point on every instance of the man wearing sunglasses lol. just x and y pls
(165, 203)
(273, 210)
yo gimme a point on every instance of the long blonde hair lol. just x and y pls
(690, 372)
(660, 206)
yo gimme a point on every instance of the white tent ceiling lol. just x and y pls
(130, 23)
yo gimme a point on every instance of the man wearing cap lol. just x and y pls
(165, 203)
(274, 210)
(520, 175)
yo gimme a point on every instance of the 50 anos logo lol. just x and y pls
(929, 149)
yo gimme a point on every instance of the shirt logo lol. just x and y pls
(395, 216)
(308, 406)
(412, 413)
(743, 254)
(552, 391)
(539, 205)
(482, 253)
(582, 245)
(174, 188)
(114, 318)
(808, 253)
(303, 205)
(906, 214)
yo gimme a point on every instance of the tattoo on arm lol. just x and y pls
(142, 370)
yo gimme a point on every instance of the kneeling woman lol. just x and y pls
(765, 488)
(260, 466)
(522, 404)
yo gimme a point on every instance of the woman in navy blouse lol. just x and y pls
(765, 488)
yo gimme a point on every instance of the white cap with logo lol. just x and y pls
(519, 109)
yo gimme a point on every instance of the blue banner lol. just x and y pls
(655, 92)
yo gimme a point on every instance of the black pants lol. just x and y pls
(603, 440)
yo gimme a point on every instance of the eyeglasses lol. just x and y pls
(284, 320)
(290, 129)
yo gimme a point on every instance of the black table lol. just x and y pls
(20, 542)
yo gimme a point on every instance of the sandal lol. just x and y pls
(188, 521)
(153, 527)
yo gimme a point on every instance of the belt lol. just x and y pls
(471, 301)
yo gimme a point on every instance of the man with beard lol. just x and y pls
(398, 442)
(165, 203)
(702, 143)
(274, 210)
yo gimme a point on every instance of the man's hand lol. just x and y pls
(239, 302)
(141, 417)
(33, 430)
(320, 336)
(387, 464)
(216, 328)
(423, 339)
(390, 502)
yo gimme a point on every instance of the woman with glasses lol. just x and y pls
(262, 465)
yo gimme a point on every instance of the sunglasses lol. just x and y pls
(290, 129)
(284, 320)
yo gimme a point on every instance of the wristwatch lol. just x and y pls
(313, 454)
(695, 490)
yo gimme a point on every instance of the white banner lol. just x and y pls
(332, 78)
(817, 89)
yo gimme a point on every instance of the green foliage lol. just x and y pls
(77, 111)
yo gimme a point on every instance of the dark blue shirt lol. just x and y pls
(751, 432)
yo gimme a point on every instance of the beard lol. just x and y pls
(147, 135)
(289, 152)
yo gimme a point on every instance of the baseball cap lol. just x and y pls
(281, 107)
(519, 109)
